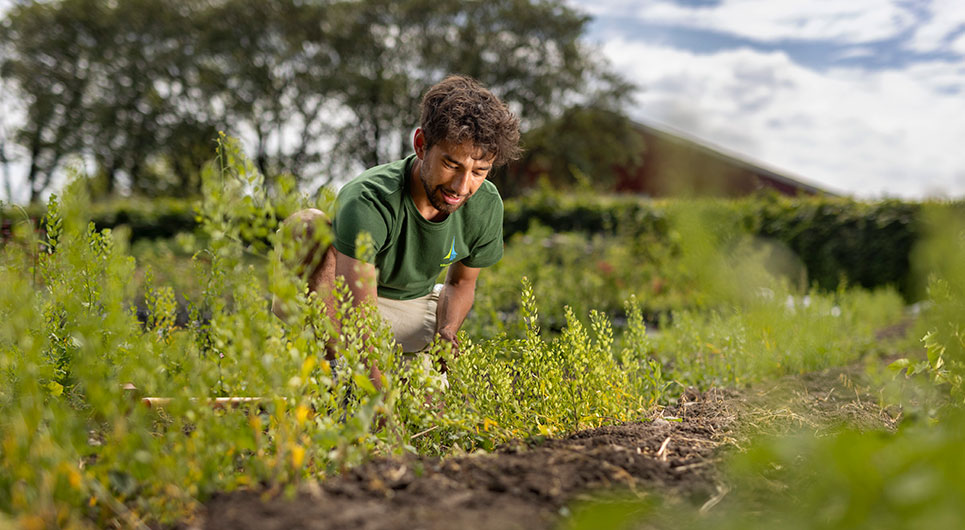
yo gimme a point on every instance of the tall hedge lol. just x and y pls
(866, 244)
(147, 219)
(838, 239)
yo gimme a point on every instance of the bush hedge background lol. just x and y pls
(839, 240)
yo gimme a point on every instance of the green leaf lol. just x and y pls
(363, 382)
(55, 388)
(899, 365)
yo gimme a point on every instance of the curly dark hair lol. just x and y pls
(459, 109)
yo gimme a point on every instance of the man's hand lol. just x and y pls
(455, 301)
(450, 337)
(454, 341)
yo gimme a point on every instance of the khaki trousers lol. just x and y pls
(413, 322)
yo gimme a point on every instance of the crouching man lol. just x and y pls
(431, 210)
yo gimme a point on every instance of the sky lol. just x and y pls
(859, 97)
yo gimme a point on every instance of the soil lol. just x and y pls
(530, 484)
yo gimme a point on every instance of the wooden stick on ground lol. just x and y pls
(217, 403)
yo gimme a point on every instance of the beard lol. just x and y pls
(435, 195)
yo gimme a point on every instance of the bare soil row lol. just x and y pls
(531, 484)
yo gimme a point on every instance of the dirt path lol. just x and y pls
(530, 485)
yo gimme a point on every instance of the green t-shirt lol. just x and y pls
(411, 251)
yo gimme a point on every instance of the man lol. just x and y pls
(431, 210)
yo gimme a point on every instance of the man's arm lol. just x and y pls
(361, 279)
(455, 301)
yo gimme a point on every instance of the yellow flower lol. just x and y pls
(298, 455)
(301, 414)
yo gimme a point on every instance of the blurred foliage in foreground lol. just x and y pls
(911, 478)
(78, 451)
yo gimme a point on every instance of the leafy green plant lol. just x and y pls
(77, 450)
(939, 259)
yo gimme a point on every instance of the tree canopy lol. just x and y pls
(319, 88)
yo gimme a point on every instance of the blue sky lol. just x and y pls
(862, 97)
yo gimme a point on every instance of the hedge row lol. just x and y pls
(839, 240)
(160, 218)
(863, 243)
(866, 244)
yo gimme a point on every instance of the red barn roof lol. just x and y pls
(679, 164)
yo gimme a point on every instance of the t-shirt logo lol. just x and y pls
(452, 254)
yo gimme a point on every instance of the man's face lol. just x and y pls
(451, 173)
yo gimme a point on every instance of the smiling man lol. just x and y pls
(431, 210)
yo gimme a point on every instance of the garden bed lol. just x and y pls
(533, 484)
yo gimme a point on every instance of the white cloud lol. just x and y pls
(890, 132)
(958, 45)
(854, 21)
(944, 19)
(598, 8)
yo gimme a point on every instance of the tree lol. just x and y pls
(145, 114)
(269, 64)
(48, 49)
(6, 143)
(586, 141)
(107, 82)
(152, 81)
(320, 87)
(528, 52)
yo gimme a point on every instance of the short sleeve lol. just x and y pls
(354, 215)
(488, 249)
